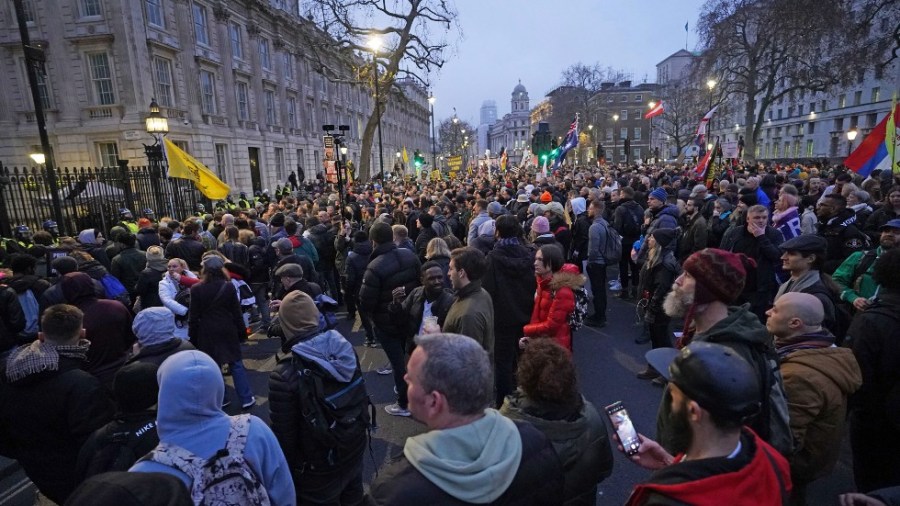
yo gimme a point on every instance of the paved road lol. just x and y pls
(607, 360)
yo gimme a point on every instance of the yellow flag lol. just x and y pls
(185, 166)
(405, 156)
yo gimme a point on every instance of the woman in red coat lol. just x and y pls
(555, 299)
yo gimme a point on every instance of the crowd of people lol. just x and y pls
(769, 297)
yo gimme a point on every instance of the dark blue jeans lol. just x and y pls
(597, 274)
(393, 346)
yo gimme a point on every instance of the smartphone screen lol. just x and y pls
(620, 420)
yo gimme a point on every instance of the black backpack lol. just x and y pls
(121, 448)
(631, 224)
(337, 416)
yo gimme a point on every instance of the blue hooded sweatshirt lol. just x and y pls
(189, 415)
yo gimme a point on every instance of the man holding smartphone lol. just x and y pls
(714, 393)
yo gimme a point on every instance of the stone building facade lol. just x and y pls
(513, 130)
(237, 81)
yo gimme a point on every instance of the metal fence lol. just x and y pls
(91, 197)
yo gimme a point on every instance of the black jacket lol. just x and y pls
(12, 319)
(216, 325)
(538, 481)
(656, 283)
(147, 237)
(425, 235)
(188, 249)
(47, 417)
(391, 267)
(288, 422)
(158, 353)
(580, 238)
(102, 451)
(510, 281)
(356, 265)
(411, 309)
(763, 249)
(148, 287)
(843, 237)
(323, 239)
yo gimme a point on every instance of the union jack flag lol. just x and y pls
(571, 141)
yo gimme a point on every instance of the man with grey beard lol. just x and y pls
(713, 280)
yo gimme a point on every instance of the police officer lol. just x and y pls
(243, 201)
(149, 214)
(127, 220)
(52, 228)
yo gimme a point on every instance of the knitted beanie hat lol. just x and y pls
(720, 274)
(540, 225)
(659, 194)
(546, 197)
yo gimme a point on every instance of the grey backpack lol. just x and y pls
(225, 479)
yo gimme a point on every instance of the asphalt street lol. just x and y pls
(607, 361)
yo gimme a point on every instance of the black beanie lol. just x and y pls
(135, 387)
(664, 236)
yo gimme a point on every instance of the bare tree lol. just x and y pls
(415, 40)
(684, 107)
(762, 50)
(453, 136)
(579, 83)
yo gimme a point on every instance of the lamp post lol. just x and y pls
(652, 104)
(616, 139)
(851, 136)
(157, 126)
(431, 100)
(34, 62)
(711, 84)
(399, 163)
(38, 158)
(375, 46)
(591, 130)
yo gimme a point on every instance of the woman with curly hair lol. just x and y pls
(549, 399)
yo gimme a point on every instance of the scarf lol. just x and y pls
(786, 346)
(806, 280)
(508, 241)
(43, 356)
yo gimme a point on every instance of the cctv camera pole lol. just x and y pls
(34, 57)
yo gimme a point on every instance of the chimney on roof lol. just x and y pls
(606, 85)
(624, 84)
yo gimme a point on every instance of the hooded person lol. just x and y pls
(470, 453)
(657, 275)
(154, 329)
(712, 280)
(147, 288)
(91, 242)
(190, 417)
(132, 433)
(322, 474)
(107, 325)
(580, 227)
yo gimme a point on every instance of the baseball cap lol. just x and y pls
(712, 375)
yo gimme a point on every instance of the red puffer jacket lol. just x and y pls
(553, 303)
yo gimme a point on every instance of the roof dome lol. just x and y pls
(519, 88)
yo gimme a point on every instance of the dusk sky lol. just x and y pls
(507, 40)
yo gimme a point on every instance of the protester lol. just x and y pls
(49, 405)
(555, 298)
(714, 392)
(818, 379)
(470, 453)
(548, 398)
(472, 312)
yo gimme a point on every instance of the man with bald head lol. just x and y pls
(818, 378)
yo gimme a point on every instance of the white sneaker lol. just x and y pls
(247, 405)
(385, 369)
(615, 285)
(396, 410)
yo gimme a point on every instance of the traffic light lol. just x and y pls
(418, 159)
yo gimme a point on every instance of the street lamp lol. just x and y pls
(38, 158)
(652, 104)
(374, 44)
(431, 101)
(616, 139)
(711, 84)
(157, 126)
(591, 130)
(851, 136)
